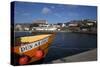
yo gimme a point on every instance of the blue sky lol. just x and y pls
(27, 12)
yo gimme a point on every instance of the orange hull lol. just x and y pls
(39, 42)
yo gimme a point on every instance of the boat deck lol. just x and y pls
(33, 38)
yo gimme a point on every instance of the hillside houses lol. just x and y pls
(43, 25)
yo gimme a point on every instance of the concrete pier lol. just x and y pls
(90, 55)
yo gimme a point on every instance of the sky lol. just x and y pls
(26, 12)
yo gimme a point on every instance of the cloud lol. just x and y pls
(46, 10)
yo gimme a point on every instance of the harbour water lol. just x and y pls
(67, 44)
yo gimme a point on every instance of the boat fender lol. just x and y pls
(23, 60)
(39, 54)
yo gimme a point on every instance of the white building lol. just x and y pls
(45, 29)
(73, 24)
(26, 29)
(18, 27)
(90, 24)
(63, 25)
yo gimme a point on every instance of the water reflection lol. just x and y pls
(66, 44)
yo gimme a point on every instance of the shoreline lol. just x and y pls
(93, 33)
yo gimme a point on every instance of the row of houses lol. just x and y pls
(38, 25)
(42, 25)
(83, 25)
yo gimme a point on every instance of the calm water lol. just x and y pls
(67, 44)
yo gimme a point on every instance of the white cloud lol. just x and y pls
(46, 10)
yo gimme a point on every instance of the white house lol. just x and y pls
(73, 24)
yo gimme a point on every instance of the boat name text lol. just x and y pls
(27, 47)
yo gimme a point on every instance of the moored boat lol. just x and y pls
(29, 49)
